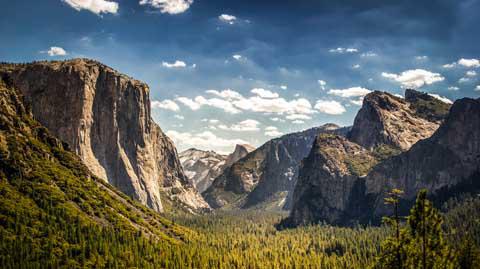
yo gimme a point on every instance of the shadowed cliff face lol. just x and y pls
(266, 177)
(105, 118)
(342, 180)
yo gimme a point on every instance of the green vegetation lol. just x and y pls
(360, 164)
(430, 108)
(383, 152)
(55, 214)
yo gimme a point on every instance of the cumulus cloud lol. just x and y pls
(264, 93)
(441, 98)
(350, 92)
(469, 62)
(166, 104)
(230, 19)
(200, 101)
(176, 64)
(357, 102)
(471, 73)
(322, 83)
(237, 57)
(477, 88)
(283, 87)
(415, 78)
(330, 107)
(168, 6)
(55, 51)
(203, 140)
(96, 6)
(262, 102)
(464, 80)
(341, 50)
(356, 66)
(453, 88)
(298, 122)
(272, 131)
(298, 117)
(243, 126)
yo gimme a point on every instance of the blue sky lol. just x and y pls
(227, 72)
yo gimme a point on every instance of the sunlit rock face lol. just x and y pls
(105, 118)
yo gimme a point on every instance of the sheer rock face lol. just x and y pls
(202, 167)
(105, 118)
(239, 152)
(444, 164)
(266, 176)
(385, 119)
(327, 178)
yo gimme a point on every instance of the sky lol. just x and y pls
(223, 73)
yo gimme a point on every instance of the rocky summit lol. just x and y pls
(266, 177)
(388, 120)
(343, 180)
(202, 167)
(104, 116)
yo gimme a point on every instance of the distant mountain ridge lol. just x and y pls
(105, 118)
(265, 177)
(202, 167)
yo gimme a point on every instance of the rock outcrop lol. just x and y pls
(266, 177)
(202, 167)
(327, 177)
(385, 119)
(445, 164)
(239, 152)
(335, 182)
(105, 118)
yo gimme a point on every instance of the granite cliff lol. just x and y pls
(266, 177)
(104, 116)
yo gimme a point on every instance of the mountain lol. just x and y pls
(239, 152)
(388, 120)
(104, 116)
(202, 167)
(266, 176)
(54, 211)
(331, 185)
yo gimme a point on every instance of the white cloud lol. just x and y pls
(358, 102)
(350, 92)
(464, 80)
(322, 83)
(226, 94)
(166, 104)
(176, 64)
(204, 140)
(368, 54)
(415, 78)
(469, 62)
(277, 119)
(343, 50)
(283, 87)
(189, 103)
(471, 73)
(298, 117)
(169, 6)
(272, 131)
(330, 107)
(453, 88)
(55, 51)
(477, 88)
(212, 121)
(230, 19)
(452, 65)
(356, 66)
(237, 57)
(180, 117)
(421, 58)
(441, 98)
(243, 126)
(96, 6)
(264, 93)
(298, 122)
